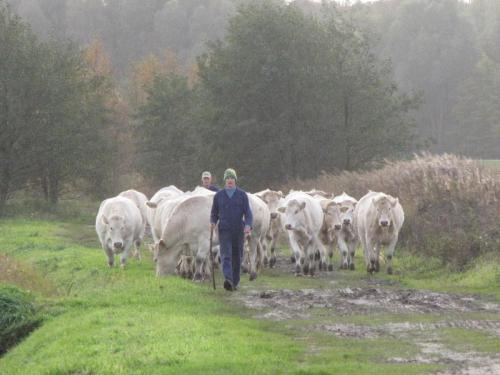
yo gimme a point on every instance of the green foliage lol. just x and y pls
(303, 93)
(18, 316)
(167, 140)
(52, 113)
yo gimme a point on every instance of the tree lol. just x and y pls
(290, 91)
(18, 76)
(167, 141)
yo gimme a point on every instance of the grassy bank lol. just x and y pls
(110, 321)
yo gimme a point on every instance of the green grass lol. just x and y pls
(463, 340)
(111, 321)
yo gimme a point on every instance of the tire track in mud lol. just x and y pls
(372, 296)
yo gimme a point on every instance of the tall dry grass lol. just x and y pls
(17, 273)
(451, 203)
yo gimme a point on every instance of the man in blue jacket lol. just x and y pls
(232, 211)
(206, 181)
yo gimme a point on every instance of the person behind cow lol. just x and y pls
(206, 181)
(230, 208)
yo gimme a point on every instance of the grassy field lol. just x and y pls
(111, 321)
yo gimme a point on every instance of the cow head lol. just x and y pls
(332, 216)
(294, 215)
(185, 266)
(273, 199)
(347, 214)
(115, 232)
(384, 206)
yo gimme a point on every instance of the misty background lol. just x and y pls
(99, 96)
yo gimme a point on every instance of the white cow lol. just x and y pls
(140, 201)
(303, 219)
(119, 225)
(347, 239)
(160, 196)
(256, 241)
(330, 227)
(378, 217)
(273, 199)
(185, 228)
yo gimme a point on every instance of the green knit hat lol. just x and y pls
(230, 173)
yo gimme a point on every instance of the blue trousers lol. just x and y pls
(231, 252)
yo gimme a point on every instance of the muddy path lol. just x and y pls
(356, 306)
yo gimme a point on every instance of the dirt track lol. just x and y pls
(372, 297)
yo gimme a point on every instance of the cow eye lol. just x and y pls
(111, 228)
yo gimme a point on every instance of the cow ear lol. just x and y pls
(260, 197)
(302, 205)
(105, 220)
(151, 204)
(282, 209)
(395, 202)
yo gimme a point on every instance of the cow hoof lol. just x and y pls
(311, 271)
(330, 267)
(272, 262)
(111, 264)
(377, 266)
(244, 269)
(292, 259)
(351, 267)
(198, 276)
(298, 271)
(389, 270)
(305, 269)
(253, 276)
(266, 261)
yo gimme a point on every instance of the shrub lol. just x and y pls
(18, 316)
(451, 203)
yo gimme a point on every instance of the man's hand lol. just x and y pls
(248, 230)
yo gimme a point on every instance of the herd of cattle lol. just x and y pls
(315, 223)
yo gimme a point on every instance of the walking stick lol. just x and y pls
(212, 257)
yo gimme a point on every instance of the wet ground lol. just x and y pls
(418, 316)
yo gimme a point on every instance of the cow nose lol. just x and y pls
(118, 245)
(384, 223)
(288, 226)
(347, 221)
(274, 215)
(337, 226)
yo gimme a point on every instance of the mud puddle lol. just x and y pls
(371, 296)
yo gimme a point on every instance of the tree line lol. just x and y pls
(277, 91)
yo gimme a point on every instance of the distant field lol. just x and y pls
(491, 163)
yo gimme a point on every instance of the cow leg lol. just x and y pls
(124, 255)
(274, 238)
(201, 259)
(352, 250)
(253, 245)
(376, 252)
(369, 255)
(297, 254)
(390, 254)
(324, 260)
(137, 252)
(110, 255)
(344, 253)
